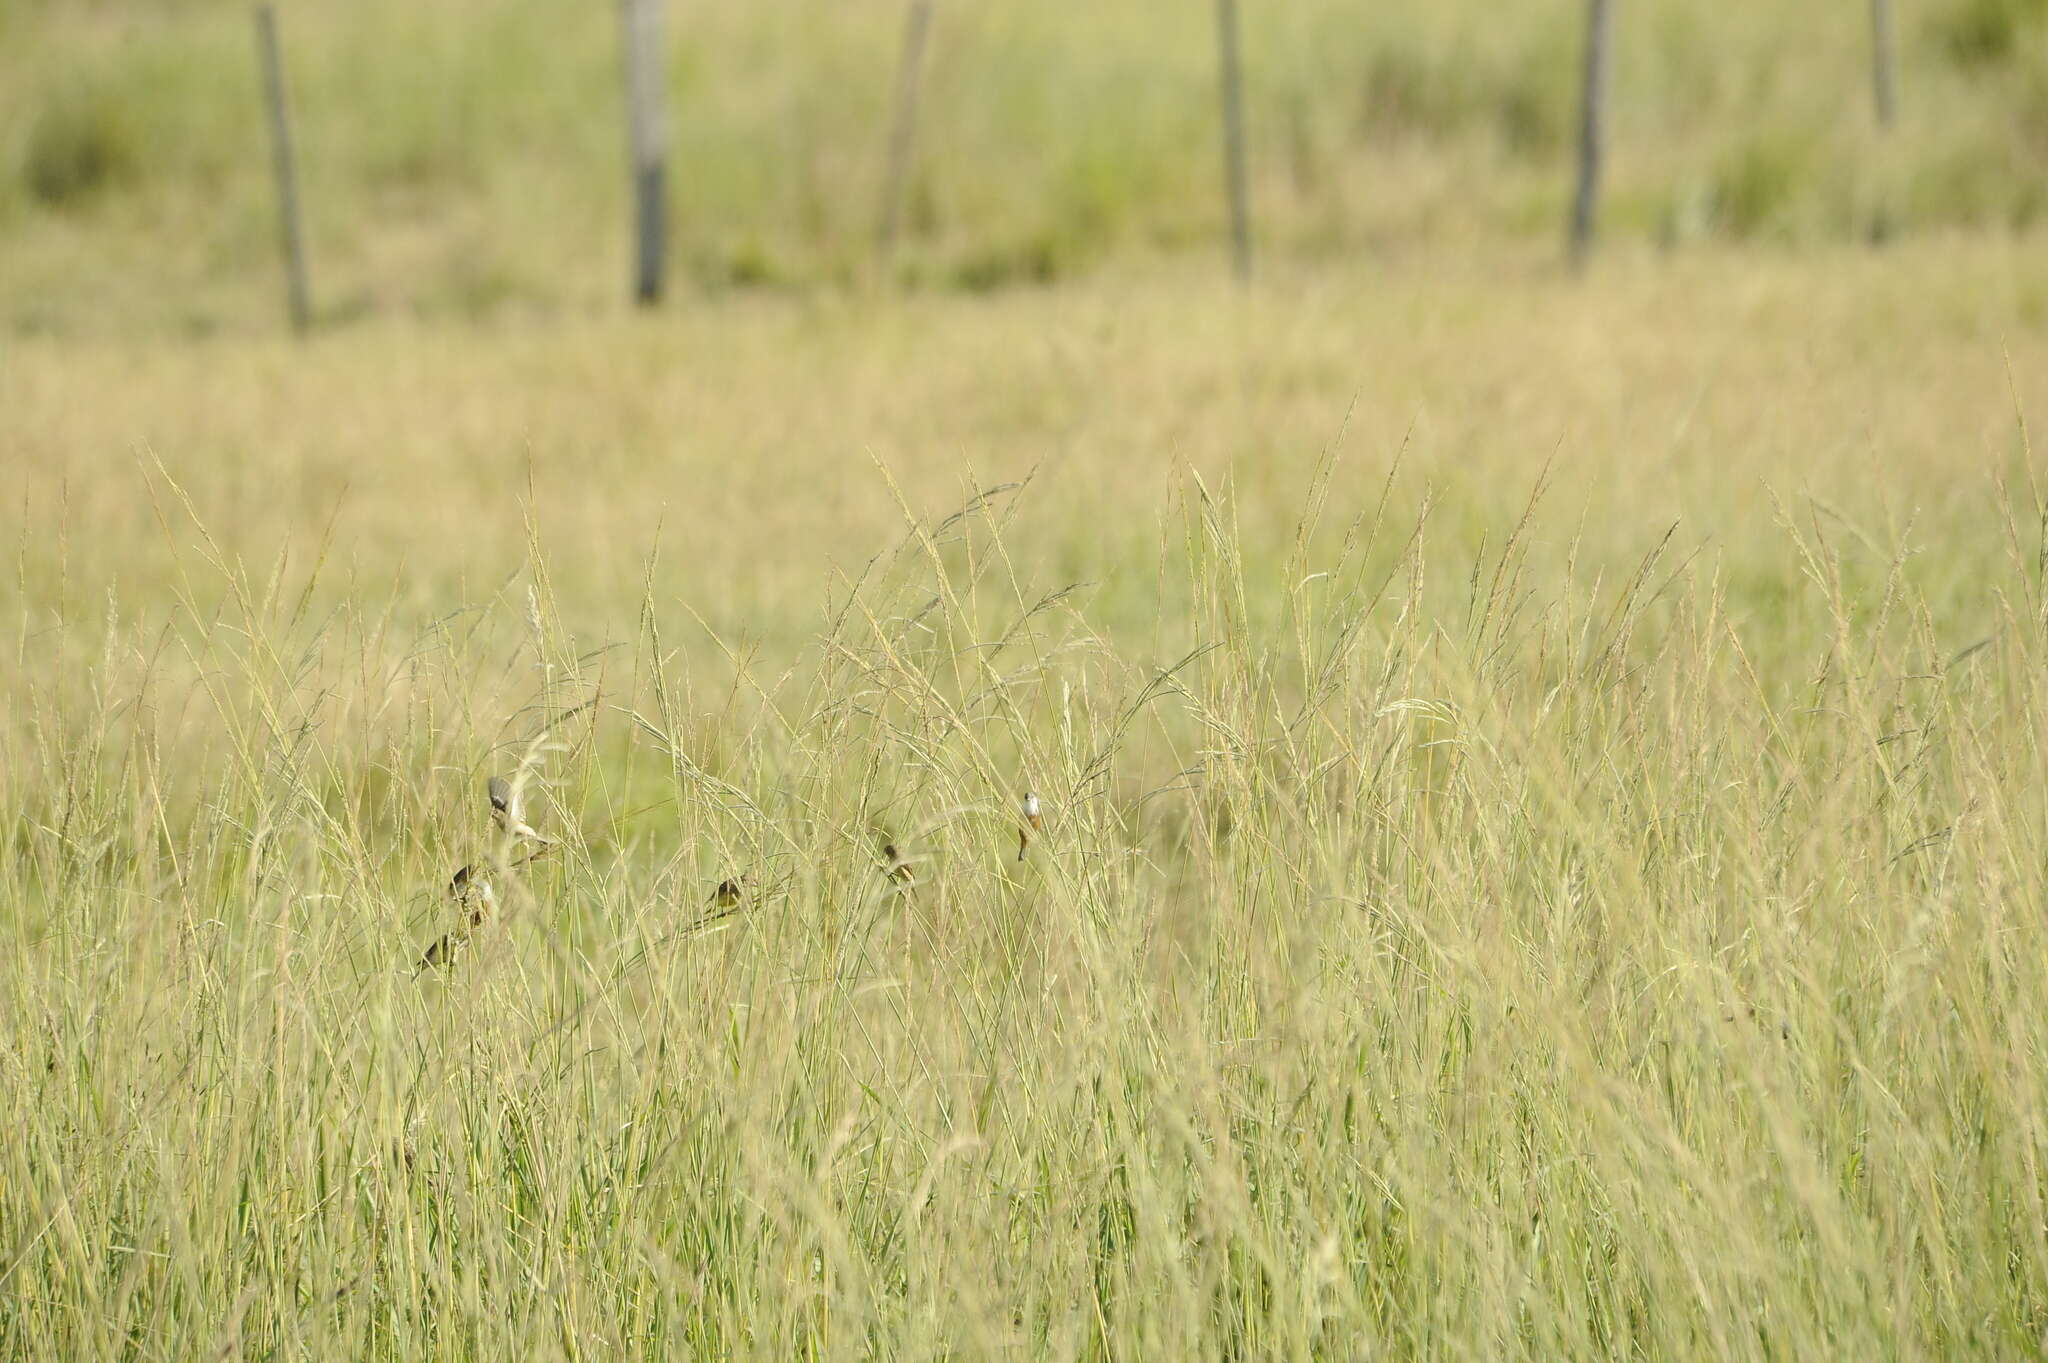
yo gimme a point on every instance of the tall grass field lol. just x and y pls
(1544, 802)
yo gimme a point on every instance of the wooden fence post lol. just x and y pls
(1592, 118)
(1233, 139)
(1883, 59)
(641, 28)
(903, 128)
(297, 295)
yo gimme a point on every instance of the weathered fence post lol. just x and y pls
(903, 127)
(640, 24)
(1233, 139)
(1592, 119)
(1883, 56)
(297, 295)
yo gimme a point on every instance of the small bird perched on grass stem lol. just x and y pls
(505, 811)
(470, 887)
(1032, 822)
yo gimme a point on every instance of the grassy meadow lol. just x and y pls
(1542, 859)
(467, 158)
(1545, 778)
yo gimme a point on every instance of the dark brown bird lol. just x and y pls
(898, 869)
(470, 888)
(727, 895)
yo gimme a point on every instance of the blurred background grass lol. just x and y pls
(467, 157)
(766, 442)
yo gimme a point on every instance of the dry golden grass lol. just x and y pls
(1673, 388)
(1459, 928)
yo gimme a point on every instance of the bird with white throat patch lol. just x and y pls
(1033, 821)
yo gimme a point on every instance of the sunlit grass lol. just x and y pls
(1543, 794)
